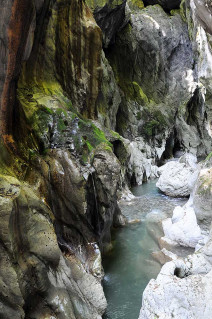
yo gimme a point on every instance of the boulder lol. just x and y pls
(178, 177)
(182, 228)
(177, 294)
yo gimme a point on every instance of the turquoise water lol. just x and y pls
(130, 266)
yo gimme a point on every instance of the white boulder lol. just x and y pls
(177, 178)
(177, 294)
(182, 228)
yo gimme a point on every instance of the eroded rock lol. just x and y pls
(177, 178)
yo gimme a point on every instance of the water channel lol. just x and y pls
(130, 265)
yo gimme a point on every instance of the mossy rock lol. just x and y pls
(135, 5)
(205, 184)
(55, 123)
(155, 124)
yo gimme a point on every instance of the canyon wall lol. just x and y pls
(94, 96)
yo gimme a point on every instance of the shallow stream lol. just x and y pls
(130, 265)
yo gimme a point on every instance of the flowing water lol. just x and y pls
(130, 265)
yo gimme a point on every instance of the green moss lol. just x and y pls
(209, 156)
(183, 10)
(105, 147)
(136, 4)
(150, 127)
(174, 12)
(139, 116)
(60, 111)
(115, 134)
(139, 93)
(93, 4)
(185, 13)
(122, 124)
(61, 125)
(99, 135)
(205, 187)
(47, 110)
(46, 107)
(90, 147)
(155, 123)
(133, 91)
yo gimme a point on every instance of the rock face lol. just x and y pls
(58, 285)
(58, 211)
(162, 79)
(177, 178)
(202, 198)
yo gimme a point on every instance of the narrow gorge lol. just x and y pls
(105, 159)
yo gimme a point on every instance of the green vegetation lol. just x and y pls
(156, 123)
(208, 157)
(133, 91)
(49, 113)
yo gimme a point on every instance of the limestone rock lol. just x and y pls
(165, 83)
(178, 286)
(176, 294)
(163, 256)
(177, 178)
(181, 279)
(182, 227)
(141, 165)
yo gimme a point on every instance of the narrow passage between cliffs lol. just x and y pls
(130, 264)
